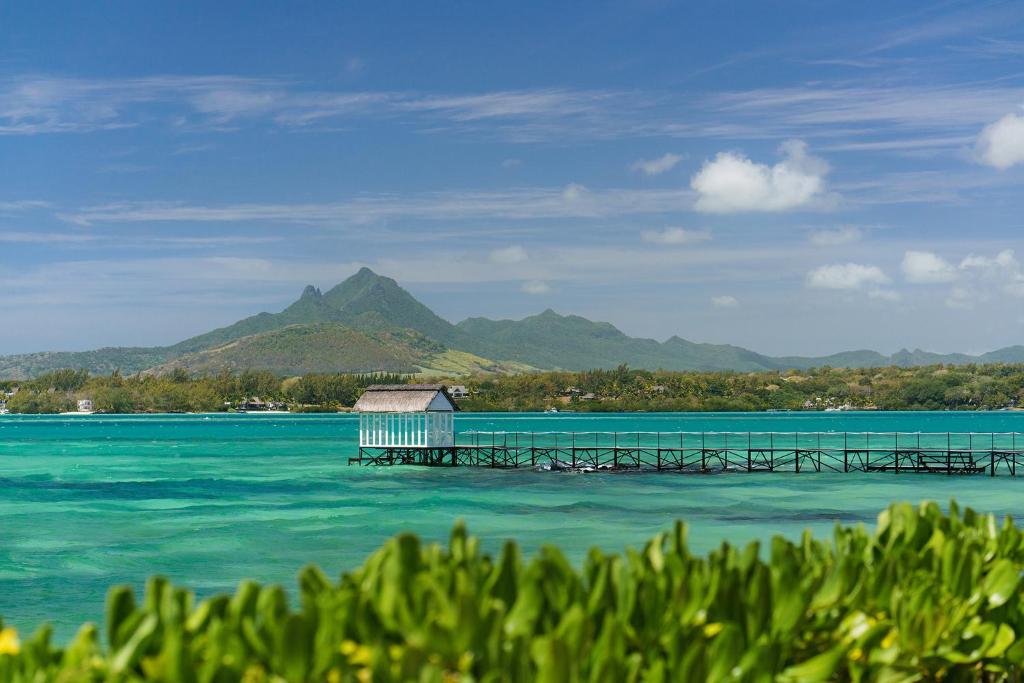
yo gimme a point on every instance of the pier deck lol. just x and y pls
(709, 452)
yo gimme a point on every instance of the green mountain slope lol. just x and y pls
(369, 322)
(369, 301)
(310, 308)
(127, 360)
(315, 348)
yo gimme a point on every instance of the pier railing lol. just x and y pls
(946, 452)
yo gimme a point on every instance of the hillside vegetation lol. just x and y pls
(969, 387)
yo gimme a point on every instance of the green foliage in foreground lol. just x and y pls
(927, 596)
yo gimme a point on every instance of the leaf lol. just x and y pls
(1000, 582)
(819, 668)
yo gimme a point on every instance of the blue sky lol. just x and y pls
(801, 177)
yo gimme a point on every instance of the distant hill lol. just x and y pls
(333, 347)
(370, 323)
(318, 347)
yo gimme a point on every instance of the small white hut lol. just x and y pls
(406, 416)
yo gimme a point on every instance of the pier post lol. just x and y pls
(749, 468)
(796, 452)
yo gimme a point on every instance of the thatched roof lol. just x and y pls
(404, 398)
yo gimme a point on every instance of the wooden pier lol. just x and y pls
(710, 452)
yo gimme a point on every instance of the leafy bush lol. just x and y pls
(927, 596)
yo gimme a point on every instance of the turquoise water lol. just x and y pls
(90, 501)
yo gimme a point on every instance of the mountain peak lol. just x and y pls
(310, 292)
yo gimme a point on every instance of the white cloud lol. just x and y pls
(836, 238)
(960, 297)
(662, 164)
(732, 183)
(572, 201)
(1001, 144)
(724, 301)
(1001, 272)
(925, 267)
(536, 287)
(675, 236)
(884, 294)
(513, 254)
(846, 276)
(574, 192)
(1004, 259)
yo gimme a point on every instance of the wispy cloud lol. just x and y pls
(657, 166)
(847, 234)
(846, 276)
(724, 301)
(22, 205)
(536, 287)
(949, 24)
(12, 237)
(675, 236)
(528, 203)
(39, 104)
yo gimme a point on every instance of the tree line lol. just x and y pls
(936, 387)
(177, 392)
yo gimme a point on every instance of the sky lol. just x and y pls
(797, 177)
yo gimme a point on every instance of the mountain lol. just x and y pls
(367, 300)
(100, 361)
(333, 347)
(540, 340)
(370, 323)
(312, 348)
(309, 309)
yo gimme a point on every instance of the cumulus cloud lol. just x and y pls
(662, 164)
(846, 276)
(732, 183)
(836, 238)
(1004, 259)
(513, 254)
(536, 287)
(985, 274)
(725, 301)
(925, 268)
(1001, 144)
(675, 236)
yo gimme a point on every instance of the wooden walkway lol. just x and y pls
(710, 452)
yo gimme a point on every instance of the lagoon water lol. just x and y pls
(86, 502)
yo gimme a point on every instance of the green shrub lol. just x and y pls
(927, 596)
